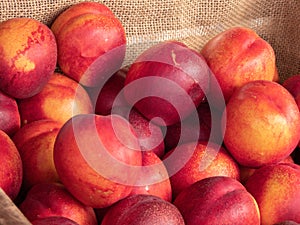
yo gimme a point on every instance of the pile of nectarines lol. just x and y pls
(179, 136)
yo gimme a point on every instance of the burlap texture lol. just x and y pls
(191, 21)
(9, 213)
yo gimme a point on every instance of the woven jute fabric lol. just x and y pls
(193, 22)
(9, 213)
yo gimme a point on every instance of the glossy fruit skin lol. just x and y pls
(205, 160)
(60, 99)
(143, 209)
(54, 220)
(262, 123)
(154, 178)
(28, 56)
(217, 199)
(11, 170)
(276, 188)
(239, 55)
(110, 95)
(292, 84)
(10, 121)
(45, 200)
(167, 81)
(97, 158)
(77, 10)
(90, 59)
(35, 143)
(149, 134)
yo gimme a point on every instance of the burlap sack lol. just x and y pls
(9, 213)
(191, 21)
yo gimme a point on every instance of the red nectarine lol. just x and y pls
(97, 158)
(35, 142)
(10, 120)
(141, 210)
(149, 134)
(28, 56)
(206, 160)
(263, 123)
(54, 220)
(60, 99)
(11, 170)
(217, 200)
(76, 10)
(153, 178)
(276, 188)
(167, 81)
(91, 46)
(239, 55)
(52, 199)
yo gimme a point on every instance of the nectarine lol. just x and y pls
(97, 158)
(10, 120)
(54, 220)
(60, 99)
(35, 142)
(206, 160)
(91, 45)
(110, 95)
(149, 134)
(28, 56)
(153, 178)
(167, 81)
(76, 10)
(52, 199)
(143, 209)
(11, 170)
(217, 200)
(276, 188)
(239, 55)
(263, 123)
